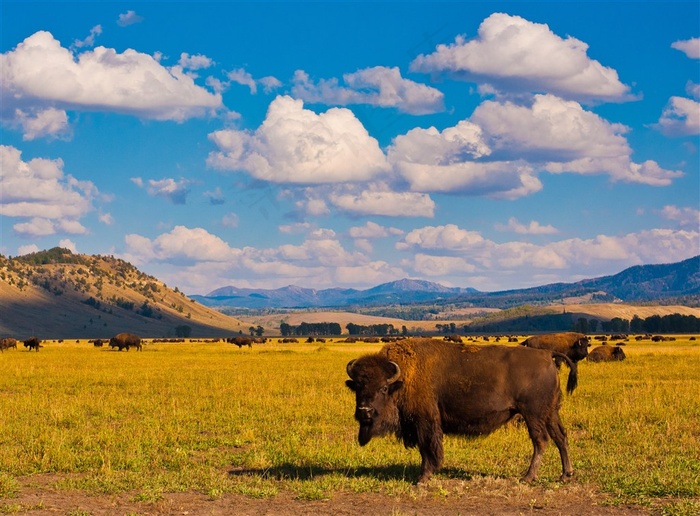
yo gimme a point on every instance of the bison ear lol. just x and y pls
(395, 386)
(351, 385)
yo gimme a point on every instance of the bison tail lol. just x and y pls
(572, 381)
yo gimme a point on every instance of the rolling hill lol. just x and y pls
(57, 294)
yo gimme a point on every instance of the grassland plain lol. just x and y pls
(207, 428)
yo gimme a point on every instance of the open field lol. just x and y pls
(207, 428)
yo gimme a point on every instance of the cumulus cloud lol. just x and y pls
(513, 54)
(50, 123)
(240, 76)
(372, 230)
(128, 18)
(445, 161)
(499, 151)
(39, 192)
(685, 217)
(230, 220)
(296, 145)
(90, 40)
(533, 228)
(40, 74)
(197, 260)
(680, 117)
(378, 199)
(216, 196)
(168, 188)
(690, 47)
(565, 257)
(196, 62)
(377, 86)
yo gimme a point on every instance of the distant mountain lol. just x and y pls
(642, 283)
(401, 291)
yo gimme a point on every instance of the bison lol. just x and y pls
(241, 341)
(573, 345)
(606, 353)
(7, 343)
(125, 341)
(32, 343)
(421, 389)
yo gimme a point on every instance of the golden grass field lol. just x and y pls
(86, 429)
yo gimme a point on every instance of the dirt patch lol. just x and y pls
(486, 496)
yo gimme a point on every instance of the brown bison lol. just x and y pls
(241, 341)
(7, 343)
(573, 345)
(32, 343)
(421, 389)
(606, 353)
(125, 341)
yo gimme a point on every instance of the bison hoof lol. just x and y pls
(566, 476)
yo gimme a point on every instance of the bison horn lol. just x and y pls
(396, 374)
(348, 367)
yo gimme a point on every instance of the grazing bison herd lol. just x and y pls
(420, 389)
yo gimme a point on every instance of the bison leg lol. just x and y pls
(558, 434)
(539, 436)
(431, 452)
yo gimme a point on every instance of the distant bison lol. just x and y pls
(573, 345)
(453, 338)
(7, 343)
(606, 354)
(125, 341)
(240, 341)
(419, 390)
(32, 343)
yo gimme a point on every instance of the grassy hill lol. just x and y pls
(57, 294)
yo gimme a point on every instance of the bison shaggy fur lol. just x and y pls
(606, 353)
(573, 345)
(421, 389)
(125, 341)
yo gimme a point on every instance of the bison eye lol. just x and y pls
(385, 389)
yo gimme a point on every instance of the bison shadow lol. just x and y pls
(384, 473)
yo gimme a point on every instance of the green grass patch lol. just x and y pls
(214, 419)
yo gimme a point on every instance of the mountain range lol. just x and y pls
(642, 283)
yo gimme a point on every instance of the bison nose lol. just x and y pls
(364, 413)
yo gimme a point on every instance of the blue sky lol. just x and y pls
(476, 144)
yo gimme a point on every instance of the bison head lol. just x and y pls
(375, 381)
(580, 349)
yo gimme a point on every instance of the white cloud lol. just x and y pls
(270, 83)
(372, 230)
(441, 265)
(90, 40)
(686, 217)
(168, 188)
(563, 137)
(533, 228)
(377, 86)
(690, 47)
(216, 196)
(514, 54)
(680, 117)
(180, 246)
(39, 191)
(40, 74)
(27, 249)
(380, 201)
(68, 244)
(49, 122)
(196, 62)
(295, 145)
(230, 220)
(128, 18)
(240, 76)
(563, 258)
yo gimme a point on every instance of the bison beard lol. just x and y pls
(422, 389)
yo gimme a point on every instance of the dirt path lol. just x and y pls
(448, 497)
